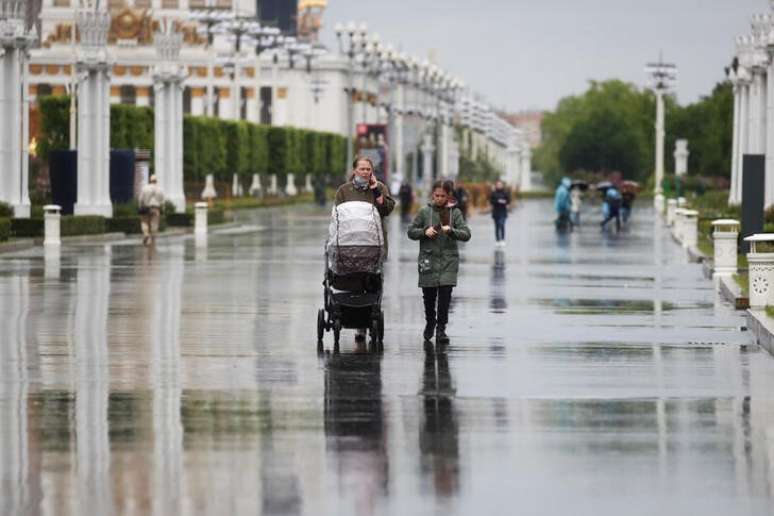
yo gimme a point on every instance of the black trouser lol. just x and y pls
(443, 296)
(499, 228)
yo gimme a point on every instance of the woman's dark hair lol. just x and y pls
(447, 186)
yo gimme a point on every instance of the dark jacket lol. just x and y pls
(347, 192)
(500, 200)
(439, 259)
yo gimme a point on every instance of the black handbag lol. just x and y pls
(143, 210)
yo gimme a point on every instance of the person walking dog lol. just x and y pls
(438, 228)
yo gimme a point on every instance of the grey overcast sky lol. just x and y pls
(527, 54)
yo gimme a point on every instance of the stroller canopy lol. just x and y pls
(355, 239)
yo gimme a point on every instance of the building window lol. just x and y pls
(146, 4)
(243, 104)
(187, 100)
(128, 95)
(61, 3)
(169, 4)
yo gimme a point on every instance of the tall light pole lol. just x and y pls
(662, 79)
(352, 41)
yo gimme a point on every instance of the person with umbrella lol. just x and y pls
(629, 191)
(611, 207)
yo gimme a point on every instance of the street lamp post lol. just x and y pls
(663, 76)
(352, 41)
(210, 17)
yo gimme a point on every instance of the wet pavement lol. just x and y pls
(588, 374)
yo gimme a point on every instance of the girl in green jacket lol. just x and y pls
(438, 228)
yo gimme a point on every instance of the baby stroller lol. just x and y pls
(352, 288)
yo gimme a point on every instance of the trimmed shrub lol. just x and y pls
(5, 229)
(74, 225)
(129, 225)
(181, 220)
(6, 210)
(27, 228)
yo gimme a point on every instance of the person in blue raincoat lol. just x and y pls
(562, 204)
(612, 207)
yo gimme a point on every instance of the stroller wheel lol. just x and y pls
(320, 325)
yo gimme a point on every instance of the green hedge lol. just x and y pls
(130, 126)
(129, 225)
(5, 229)
(27, 228)
(183, 220)
(6, 210)
(75, 225)
(210, 145)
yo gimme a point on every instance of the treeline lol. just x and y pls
(611, 127)
(210, 145)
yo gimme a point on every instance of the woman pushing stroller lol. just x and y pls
(438, 227)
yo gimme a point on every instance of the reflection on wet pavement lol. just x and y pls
(590, 373)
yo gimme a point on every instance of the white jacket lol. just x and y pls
(151, 196)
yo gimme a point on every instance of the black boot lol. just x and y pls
(440, 335)
(429, 330)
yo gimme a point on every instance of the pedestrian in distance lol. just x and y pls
(562, 205)
(363, 186)
(438, 228)
(149, 206)
(576, 201)
(612, 208)
(500, 200)
(462, 199)
(627, 200)
(406, 196)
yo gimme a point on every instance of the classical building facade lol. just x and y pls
(279, 86)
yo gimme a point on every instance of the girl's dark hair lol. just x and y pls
(446, 186)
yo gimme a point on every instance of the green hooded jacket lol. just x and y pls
(439, 259)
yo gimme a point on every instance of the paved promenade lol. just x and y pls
(588, 374)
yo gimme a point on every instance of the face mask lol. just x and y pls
(360, 183)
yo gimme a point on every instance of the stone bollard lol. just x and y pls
(670, 214)
(236, 187)
(725, 234)
(682, 202)
(200, 220)
(290, 188)
(52, 225)
(677, 227)
(308, 188)
(255, 187)
(658, 203)
(690, 228)
(273, 190)
(761, 272)
(209, 193)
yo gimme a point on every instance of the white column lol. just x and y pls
(526, 168)
(444, 150)
(734, 196)
(659, 198)
(398, 120)
(15, 40)
(93, 116)
(768, 136)
(743, 132)
(168, 77)
(427, 164)
(753, 114)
